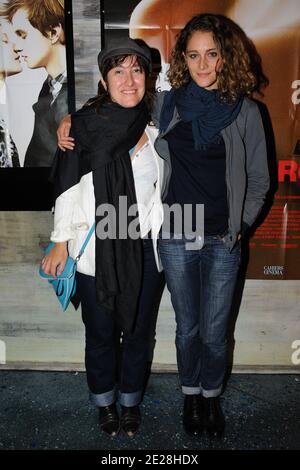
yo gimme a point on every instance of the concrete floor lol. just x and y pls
(50, 410)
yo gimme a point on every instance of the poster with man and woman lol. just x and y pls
(33, 81)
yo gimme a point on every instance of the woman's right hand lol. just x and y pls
(63, 134)
(54, 262)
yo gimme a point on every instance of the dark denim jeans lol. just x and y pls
(103, 339)
(201, 283)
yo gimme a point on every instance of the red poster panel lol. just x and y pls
(274, 27)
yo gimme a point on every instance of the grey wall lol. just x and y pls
(36, 334)
(87, 44)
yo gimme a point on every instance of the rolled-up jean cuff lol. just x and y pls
(130, 399)
(103, 399)
(211, 393)
(190, 390)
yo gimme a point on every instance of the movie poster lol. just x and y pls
(33, 81)
(274, 27)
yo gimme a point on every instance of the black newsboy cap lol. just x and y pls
(123, 47)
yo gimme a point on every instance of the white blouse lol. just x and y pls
(145, 173)
(75, 208)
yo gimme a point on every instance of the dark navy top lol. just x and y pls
(198, 177)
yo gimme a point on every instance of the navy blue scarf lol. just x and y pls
(201, 107)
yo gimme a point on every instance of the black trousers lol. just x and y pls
(107, 377)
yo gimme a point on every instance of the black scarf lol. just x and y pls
(103, 141)
(201, 107)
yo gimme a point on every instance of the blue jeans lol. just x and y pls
(105, 375)
(201, 283)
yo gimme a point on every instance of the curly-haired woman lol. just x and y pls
(217, 152)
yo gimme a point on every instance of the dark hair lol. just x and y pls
(241, 72)
(110, 63)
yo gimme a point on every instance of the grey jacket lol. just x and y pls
(247, 175)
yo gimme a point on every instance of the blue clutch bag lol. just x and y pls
(64, 285)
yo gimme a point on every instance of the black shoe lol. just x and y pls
(214, 417)
(130, 419)
(193, 415)
(109, 419)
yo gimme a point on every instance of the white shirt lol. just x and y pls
(75, 208)
(145, 173)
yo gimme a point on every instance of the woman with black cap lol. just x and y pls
(112, 167)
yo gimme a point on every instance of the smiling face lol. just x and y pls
(126, 83)
(9, 56)
(203, 59)
(34, 46)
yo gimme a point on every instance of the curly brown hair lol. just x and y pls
(241, 72)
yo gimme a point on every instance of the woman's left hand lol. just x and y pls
(54, 262)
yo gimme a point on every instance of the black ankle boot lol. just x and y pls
(214, 417)
(192, 415)
(130, 419)
(109, 419)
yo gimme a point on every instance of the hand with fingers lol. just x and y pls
(63, 134)
(54, 262)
